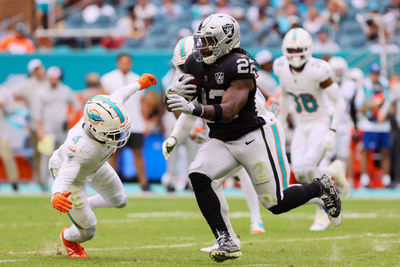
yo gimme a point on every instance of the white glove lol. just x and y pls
(178, 103)
(182, 88)
(329, 141)
(168, 145)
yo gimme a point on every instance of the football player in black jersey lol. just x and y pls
(238, 136)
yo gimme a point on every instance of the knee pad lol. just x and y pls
(119, 201)
(199, 181)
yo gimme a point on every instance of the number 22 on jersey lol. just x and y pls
(305, 101)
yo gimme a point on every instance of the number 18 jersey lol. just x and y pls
(304, 88)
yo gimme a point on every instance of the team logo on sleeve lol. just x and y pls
(229, 30)
(219, 77)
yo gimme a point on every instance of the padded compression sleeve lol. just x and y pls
(122, 94)
(183, 126)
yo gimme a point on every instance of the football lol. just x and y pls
(195, 82)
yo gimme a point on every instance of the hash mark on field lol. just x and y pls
(384, 235)
(4, 261)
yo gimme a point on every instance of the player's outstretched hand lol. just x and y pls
(147, 80)
(61, 202)
(168, 145)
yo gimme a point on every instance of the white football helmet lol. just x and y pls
(216, 36)
(339, 68)
(297, 47)
(182, 51)
(356, 75)
(107, 121)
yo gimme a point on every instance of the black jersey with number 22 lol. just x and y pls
(215, 80)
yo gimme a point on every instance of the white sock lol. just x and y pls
(72, 234)
(250, 194)
(386, 179)
(364, 179)
(98, 201)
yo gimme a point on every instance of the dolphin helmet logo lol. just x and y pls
(94, 116)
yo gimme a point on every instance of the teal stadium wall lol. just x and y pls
(75, 64)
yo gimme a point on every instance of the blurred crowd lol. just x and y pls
(37, 109)
(152, 23)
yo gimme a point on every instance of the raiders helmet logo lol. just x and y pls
(219, 77)
(229, 30)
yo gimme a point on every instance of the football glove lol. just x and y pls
(182, 88)
(61, 202)
(147, 80)
(178, 103)
(168, 145)
(329, 141)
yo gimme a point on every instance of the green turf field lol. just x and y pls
(170, 231)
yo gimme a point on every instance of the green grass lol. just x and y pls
(146, 233)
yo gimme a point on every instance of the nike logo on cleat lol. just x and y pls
(248, 143)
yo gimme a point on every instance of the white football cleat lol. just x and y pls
(215, 246)
(208, 249)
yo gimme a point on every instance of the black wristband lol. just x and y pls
(198, 110)
(218, 112)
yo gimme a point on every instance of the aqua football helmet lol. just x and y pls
(339, 68)
(183, 49)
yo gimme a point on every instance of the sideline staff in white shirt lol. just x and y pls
(110, 82)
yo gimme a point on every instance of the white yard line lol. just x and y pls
(366, 235)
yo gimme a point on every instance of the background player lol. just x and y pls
(82, 159)
(238, 136)
(308, 81)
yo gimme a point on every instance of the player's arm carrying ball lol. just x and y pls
(233, 100)
(61, 202)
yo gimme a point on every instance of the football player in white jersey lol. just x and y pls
(184, 127)
(308, 81)
(82, 159)
(340, 153)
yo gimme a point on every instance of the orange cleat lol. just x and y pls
(74, 249)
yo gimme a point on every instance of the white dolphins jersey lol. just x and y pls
(80, 155)
(304, 87)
